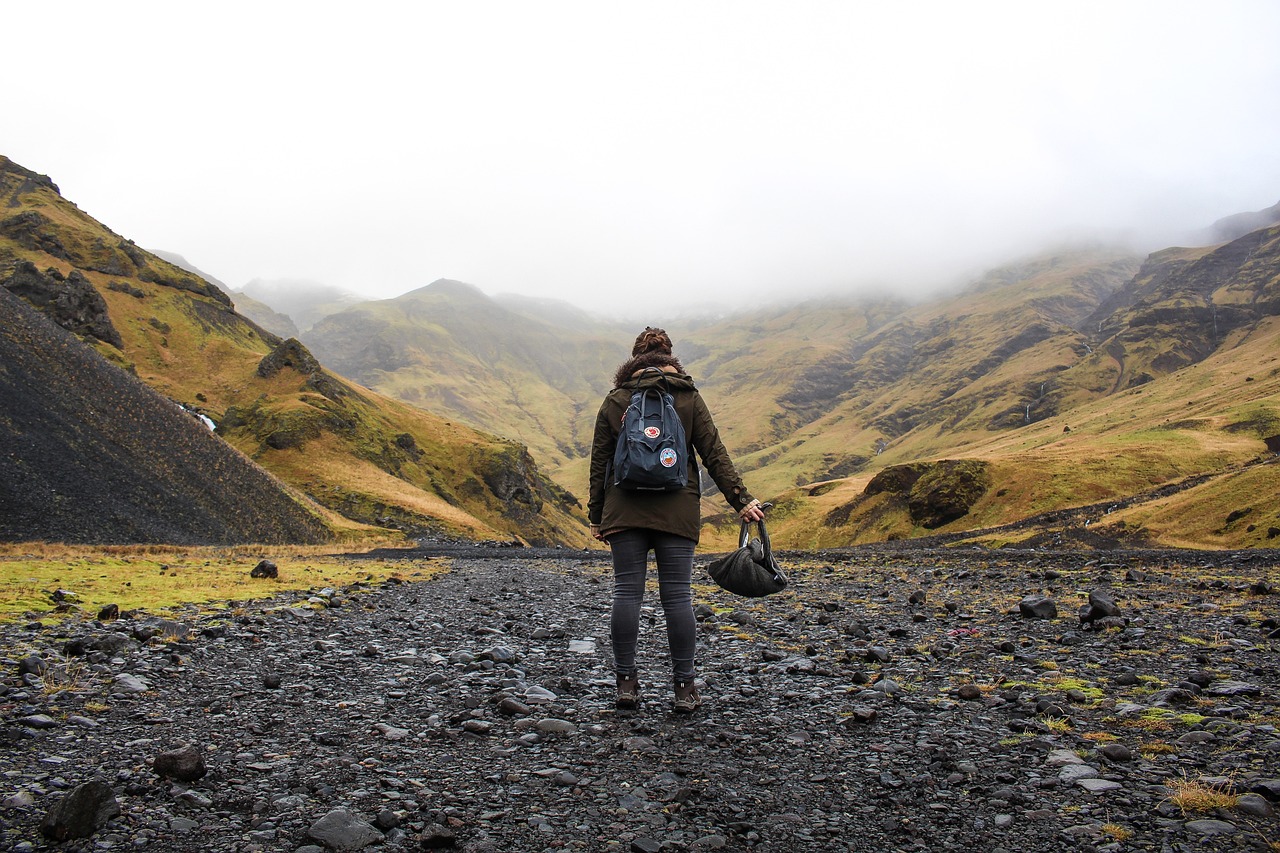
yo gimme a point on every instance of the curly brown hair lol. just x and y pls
(652, 349)
(652, 340)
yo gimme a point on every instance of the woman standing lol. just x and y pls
(666, 523)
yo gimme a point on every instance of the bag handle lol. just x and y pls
(744, 535)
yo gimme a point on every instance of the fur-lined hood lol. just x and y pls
(668, 363)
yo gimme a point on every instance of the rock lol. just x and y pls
(437, 837)
(1095, 785)
(513, 707)
(38, 721)
(1269, 788)
(1100, 606)
(127, 683)
(342, 830)
(969, 692)
(1254, 805)
(1210, 827)
(1116, 752)
(32, 665)
(1038, 607)
(1233, 688)
(81, 813)
(1072, 772)
(109, 613)
(391, 732)
(183, 763)
(554, 726)
(265, 569)
(20, 800)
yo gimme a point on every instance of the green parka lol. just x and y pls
(672, 512)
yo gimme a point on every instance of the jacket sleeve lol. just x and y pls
(602, 447)
(706, 440)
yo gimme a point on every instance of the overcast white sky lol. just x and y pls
(608, 153)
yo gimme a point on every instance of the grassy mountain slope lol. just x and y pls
(1161, 395)
(372, 459)
(1074, 378)
(908, 384)
(451, 349)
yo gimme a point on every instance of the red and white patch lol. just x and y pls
(667, 458)
(652, 432)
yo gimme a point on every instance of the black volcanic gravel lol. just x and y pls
(890, 700)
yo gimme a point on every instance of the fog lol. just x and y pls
(666, 155)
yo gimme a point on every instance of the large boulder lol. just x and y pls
(71, 302)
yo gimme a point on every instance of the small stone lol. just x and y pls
(1269, 788)
(341, 830)
(272, 681)
(645, 845)
(1098, 786)
(1233, 688)
(1038, 607)
(1073, 772)
(1211, 827)
(1254, 805)
(32, 665)
(513, 707)
(38, 721)
(1116, 752)
(437, 837)
(127, 683)
(554, 726)
(969, 692)
(20, 800)
(538, 695)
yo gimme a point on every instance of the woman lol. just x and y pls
(667, 523)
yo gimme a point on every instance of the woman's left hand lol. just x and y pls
(753, 511)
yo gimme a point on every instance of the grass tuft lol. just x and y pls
(1197, 795)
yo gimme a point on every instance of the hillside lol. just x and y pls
(1056, 376)
(371, 459)
(449, 348)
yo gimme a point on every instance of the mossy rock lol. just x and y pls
(947, 491)
(897, 479)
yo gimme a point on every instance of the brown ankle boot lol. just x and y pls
(628, 693)
(687, 698)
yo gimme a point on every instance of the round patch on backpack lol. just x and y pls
(652, 432)
(667, 458)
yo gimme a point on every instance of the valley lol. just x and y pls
(1081, 377)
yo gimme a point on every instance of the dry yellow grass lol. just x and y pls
(156, 578)
(1198, 795)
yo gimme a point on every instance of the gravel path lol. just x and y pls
(888, 701)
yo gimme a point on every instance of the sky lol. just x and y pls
(660, 155)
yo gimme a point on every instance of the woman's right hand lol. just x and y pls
(752, 512)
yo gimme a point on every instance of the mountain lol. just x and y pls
(302, 300)
(264, 315)
(366, 458)
(1047, 384)
(449, 348)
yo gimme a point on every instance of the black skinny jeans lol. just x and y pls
(674, 555)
